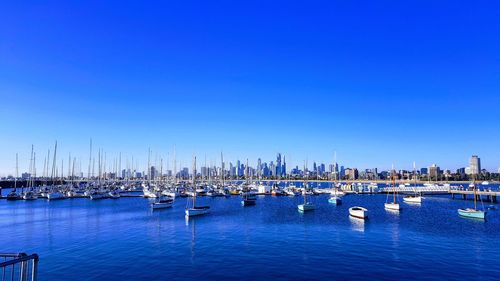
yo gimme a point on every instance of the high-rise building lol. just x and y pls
(434, 172)
(475, 165)
(283, 167)
(278, 164)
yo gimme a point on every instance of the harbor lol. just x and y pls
(126, 234)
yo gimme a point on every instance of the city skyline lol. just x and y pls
(274, 167)
(380, 90)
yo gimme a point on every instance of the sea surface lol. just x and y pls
(123, 239)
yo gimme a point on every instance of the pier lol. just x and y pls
(491, 196)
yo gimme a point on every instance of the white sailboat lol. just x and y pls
(30, 194)
(12, 195)
(195, 210)
(306, 206)
(417, 198)
(394, 205)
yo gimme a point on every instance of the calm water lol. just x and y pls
(123, 239)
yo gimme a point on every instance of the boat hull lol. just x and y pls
(358, 212)
(248, 202)
(413, 199)
(198, 211)
(392, 206)
(55, 196)
(306, 207)
(335, 200)
(471, 213)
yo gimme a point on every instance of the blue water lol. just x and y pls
(123, 239)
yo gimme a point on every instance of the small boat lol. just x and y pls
(392, 206)
(71, 194)
(335, 200)
(485, 183)
(114, 194)
(412, 199)
(30, 195)
(196, 211)
(55, 195)
(472, 213)
(162, 203)
(358, 212)
(249, 199)
(307, 206)
(13, 196)
(98, 195)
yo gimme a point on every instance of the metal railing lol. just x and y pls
(20, 267)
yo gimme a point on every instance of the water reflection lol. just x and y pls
(357, 224)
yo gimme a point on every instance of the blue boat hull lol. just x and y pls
(336, 201)
(471, 214)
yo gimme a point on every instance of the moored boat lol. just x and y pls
(335, 200)
(392, 206)
(307, 206)
(413, 199)
(358, 212)
(472, 213)
(162, 203)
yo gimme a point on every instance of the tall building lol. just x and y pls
(434, 172)
(283, 167)
(475, 165)
(278, 164)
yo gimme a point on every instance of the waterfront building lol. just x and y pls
(424, 171)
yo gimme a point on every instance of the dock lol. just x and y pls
(490, 195)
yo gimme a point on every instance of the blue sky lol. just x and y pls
(380, 83)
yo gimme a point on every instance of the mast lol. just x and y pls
(222, 167)
(17, 174)
(194, 183)
(394, 184)
(90, 159)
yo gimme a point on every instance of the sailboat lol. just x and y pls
(417, 198)
(249, 199)
(335, 195)
(473, 213)
(394, 205)
(195, 210)
(306, 206)
(54, 193)
(30, 194)
(12, 195)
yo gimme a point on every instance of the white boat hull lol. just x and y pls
(306, 207)
(413, 199)
(392, 206)
(358, 212)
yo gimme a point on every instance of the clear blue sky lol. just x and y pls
(380, 83)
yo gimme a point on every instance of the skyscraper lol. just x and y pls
(283, 167)
(278, 164)
(475, 165)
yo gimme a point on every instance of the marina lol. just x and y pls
(271, 235)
